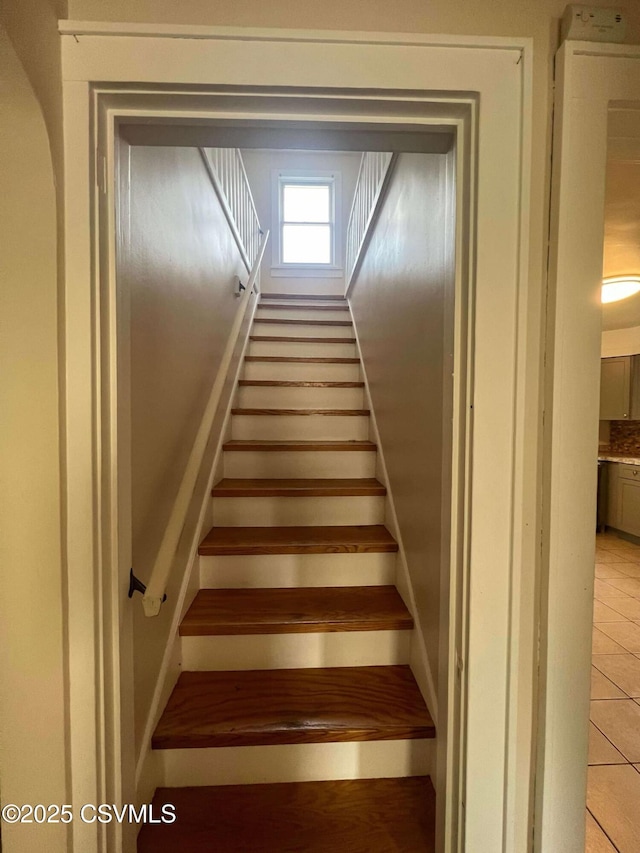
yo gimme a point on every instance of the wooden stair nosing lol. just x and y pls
(224, 612)
(276, 307)
(230, 487)
(354, 816)
(300, 340)
(283, 359)
(285, 322)
(295, 383)
(288, 706)
(285, 446)
(350, 539)
(348, 413)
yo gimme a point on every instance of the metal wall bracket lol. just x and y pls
(136, 585)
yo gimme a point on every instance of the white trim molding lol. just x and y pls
(387, 79)
(591, 78)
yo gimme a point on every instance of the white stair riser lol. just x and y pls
(293, 651)
(302, 350)
(284, 330)
(300, 762)
(305, 304)
(280, 571)
(293, 288)
(300, 427)
(303, 371)
(299, 463)
(301, 313)
(274, 397)
(293, 512)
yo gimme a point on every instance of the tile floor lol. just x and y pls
(613, 794)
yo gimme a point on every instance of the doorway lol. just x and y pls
(492, 543)
(426, 160)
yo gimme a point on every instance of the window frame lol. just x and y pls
(333, 179)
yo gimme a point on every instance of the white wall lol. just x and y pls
(259, 165)
(32, 693)
(622, 219)
(179, 269)
(621, 342)
(398, 303)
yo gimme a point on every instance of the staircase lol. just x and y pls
(297, 724)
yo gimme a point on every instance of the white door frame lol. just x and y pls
(491, 658)
(589, 78)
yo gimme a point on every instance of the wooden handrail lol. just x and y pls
(161, 572)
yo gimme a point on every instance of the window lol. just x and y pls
(307, 223)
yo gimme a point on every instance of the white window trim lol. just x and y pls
(280, 269)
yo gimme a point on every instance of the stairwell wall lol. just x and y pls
(399, 303)
(260, 164)
(178, 267)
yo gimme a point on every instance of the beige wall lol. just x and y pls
(398, 303)
(538, 19)
(33, 29)
(179, 270)
(622, 239)
(259, 166)
(32, 721)
(622, 219)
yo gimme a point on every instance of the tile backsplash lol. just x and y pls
(624, 437)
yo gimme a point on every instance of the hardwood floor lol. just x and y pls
(259, 707)
(276, 446)
(352, 539)
(284, 359)
(288, 611)
(301, 340)
(303, 412)
(287, 307)
(354, 816)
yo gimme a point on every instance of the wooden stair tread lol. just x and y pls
(245, 445)
(279, 706)
(234, 487)
(295, 611)
(283, 322)
(350, 816)
(301, 359)
(351, 539)
(316, 296)
(300, 340)
(296, 383)
(284, 307)
(301, 412)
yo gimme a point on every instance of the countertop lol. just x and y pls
(608, 456)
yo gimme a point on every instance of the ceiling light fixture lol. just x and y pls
(619, 287)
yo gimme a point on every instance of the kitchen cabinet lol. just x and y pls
(615, 388)
(624, 498)
(620, 388)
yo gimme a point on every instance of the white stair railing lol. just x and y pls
(154, 592)
(374, 168)
(228, 175)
